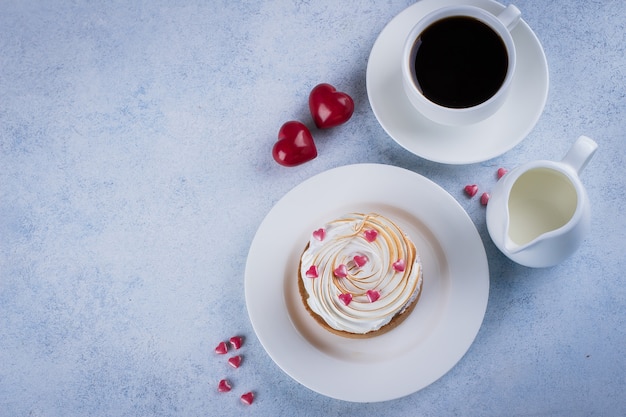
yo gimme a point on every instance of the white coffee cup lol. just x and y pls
(445, 113)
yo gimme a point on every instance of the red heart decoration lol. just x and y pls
(319, 234)
(312, 272)
(373, 295)
(360, 260)
(329, 107)
(341, 271)
(295, 145)
(399, 265)
(345, 298)
(370, 235)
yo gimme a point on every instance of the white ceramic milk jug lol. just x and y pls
(538, 213)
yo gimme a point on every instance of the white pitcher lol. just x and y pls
(539, 213)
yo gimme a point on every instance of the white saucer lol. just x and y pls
(430, 341)
(455, 144)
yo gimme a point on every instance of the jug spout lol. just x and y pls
(510, 246)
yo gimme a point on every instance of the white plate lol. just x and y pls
(455, 144)
(420, 350)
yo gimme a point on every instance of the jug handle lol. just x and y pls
(580, 153)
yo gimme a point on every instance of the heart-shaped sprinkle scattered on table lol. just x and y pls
(247, 398)
(471, 190)
(224, 386)
(236, 342)
(222, 348)
(235, 361)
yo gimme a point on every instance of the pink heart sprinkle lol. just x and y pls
(373, 295)
(370, 235)
(484, 199)
(399, 265)
(235, 361)
(360, 260)
(341, 271)
(222, 348)
(319, 234)
(501, 172)
(471, 190)
(247, 398)
(236, 341)
(224, 386)
(345, 298)
(312, 272)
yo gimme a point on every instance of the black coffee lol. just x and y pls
(460, 62)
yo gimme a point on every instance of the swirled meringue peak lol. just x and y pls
(367, 271)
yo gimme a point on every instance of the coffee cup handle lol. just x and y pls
(510, 17)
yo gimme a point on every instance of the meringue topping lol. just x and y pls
(368, 257)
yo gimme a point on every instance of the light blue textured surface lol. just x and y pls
(135, 167)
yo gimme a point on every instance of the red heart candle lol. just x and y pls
(295, 145)
(329, 107)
